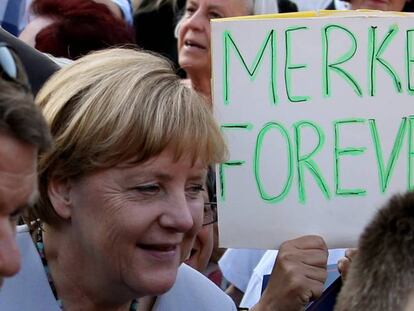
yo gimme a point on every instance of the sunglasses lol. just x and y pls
(9, 70)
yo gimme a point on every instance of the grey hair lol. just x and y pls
(250, 9)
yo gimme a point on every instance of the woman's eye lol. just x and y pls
(148, 189)
(195, 190)
(189, 11)
(212, 15)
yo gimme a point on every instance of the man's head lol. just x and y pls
(382, 272)
(23, 134)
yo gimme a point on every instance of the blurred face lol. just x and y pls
(18, 188)
(194, 31)
(137, 223)
(203, 246)
(383, 5)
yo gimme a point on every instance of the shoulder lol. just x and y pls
(193, 291)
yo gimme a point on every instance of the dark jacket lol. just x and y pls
(38, 66)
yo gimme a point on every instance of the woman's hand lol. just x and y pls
(298, 275)
(345, 262)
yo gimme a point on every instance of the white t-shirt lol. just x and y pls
(265, 266)
(237, 265)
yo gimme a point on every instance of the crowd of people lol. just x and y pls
(107, 162)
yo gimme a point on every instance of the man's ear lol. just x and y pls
(59, 195)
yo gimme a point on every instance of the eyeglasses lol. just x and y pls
(210, 213)
(8, 67)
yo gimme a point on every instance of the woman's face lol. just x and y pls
(383, 5)
(137, 223)
(202, 246)
(194, 31)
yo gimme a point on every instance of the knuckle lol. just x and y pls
(284, 246)
(319, 242)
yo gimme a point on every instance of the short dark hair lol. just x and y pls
(381, 275)
(19, 116)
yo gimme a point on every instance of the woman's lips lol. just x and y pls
(160, 251)
(193, 45)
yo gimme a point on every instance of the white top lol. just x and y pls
(237, 265)
(193, 291)
(30, 290)
(265, 266)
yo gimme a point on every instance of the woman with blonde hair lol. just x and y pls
(121, 190)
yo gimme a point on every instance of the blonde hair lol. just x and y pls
(116, 105)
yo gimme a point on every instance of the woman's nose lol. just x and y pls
(179, 214)
(197, 21)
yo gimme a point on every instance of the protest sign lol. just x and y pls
(318, 113)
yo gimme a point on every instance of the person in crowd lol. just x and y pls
(194, 38)
(391, 5)
(23, 134)
(382, 271)
(121, 189)
(73, 28)
(37, 66)
(15, 14)
(205, 252)
(204, 242)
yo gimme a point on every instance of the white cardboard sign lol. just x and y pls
(319, 117)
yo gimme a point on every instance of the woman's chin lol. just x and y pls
(159, 283)
(193, 66)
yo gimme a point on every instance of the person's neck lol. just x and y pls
(78, 283)
(202, 84)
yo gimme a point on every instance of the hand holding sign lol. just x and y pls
(298, 275)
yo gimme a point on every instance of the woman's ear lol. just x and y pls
(58, 191)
